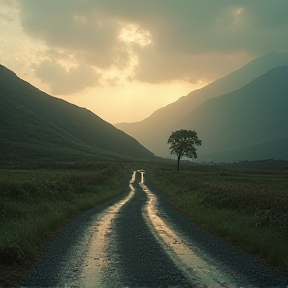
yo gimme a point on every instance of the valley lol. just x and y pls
(65, 173)
(241, 116)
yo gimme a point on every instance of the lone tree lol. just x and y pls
(182, 143)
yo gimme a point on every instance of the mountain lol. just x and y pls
(154, 131)
(250, 123)
(35, 125)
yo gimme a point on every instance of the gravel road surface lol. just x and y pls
(141, 240)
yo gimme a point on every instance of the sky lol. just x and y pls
(123, 59)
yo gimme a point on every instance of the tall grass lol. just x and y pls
(250, 209)
(34, 202)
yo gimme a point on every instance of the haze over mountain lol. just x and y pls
(35, 125)
(154, 131)
(249, 123)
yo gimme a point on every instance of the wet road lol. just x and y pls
(140, 240)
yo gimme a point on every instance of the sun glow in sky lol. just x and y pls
(124, 59)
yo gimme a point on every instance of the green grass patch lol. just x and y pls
(35, 203)
(248, 209)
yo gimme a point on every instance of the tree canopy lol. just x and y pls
(183, 142)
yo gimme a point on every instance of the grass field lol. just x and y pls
(244, 204)
(38, 199)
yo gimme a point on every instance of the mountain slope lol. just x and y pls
(34, 124)
(249, 123)
(154, 131)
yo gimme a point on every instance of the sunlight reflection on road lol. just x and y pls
(195, 268)
(94, 270)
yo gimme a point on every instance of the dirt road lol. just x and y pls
(140, 240)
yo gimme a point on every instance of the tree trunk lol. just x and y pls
(178, 163)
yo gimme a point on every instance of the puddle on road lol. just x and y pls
(196, 269)
(97, 263)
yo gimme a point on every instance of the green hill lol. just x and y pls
(35, 125)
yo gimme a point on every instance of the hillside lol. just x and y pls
(154, 131)
(249, 123)
(35, 125)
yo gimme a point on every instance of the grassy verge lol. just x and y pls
(248, 208)
(36, 203)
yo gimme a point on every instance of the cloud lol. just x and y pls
(192, 26)
(194, 68)
(7, 11)
(5, 19)
(66, 81)
(189, 40)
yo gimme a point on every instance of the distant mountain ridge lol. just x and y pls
(36, 125)
(154, 131)
(250, 117)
